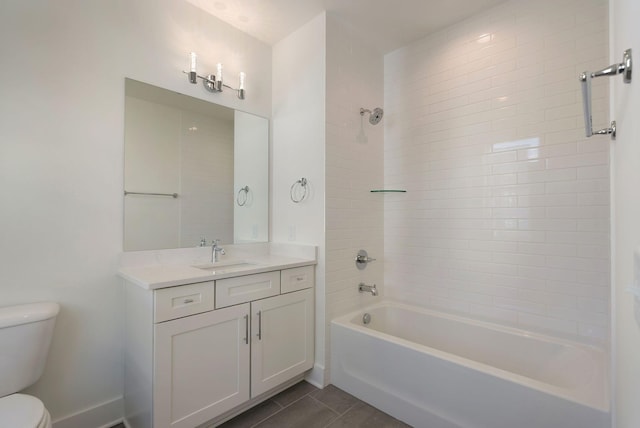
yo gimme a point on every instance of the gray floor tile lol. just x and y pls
(364, 416)
(253, 416)
(294, 393)
(335, 398)
(306, 412)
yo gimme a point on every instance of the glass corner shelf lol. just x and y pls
(388, 191)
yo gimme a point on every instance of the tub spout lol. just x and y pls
(364, 288)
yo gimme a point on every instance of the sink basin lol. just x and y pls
(224, 267)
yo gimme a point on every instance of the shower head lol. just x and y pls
(375, 116)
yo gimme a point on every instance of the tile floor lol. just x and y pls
(305, 406)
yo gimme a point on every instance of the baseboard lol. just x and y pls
(104, 415)
(316, 376)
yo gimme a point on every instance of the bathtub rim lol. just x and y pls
(602, 404)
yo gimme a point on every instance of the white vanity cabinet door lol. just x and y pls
(201, 366)
(282, 332)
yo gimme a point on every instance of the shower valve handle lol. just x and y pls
(362, 259)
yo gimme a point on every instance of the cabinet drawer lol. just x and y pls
(232, 291)
(184, 300)
(297, 279)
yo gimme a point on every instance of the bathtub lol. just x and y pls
(436, 370)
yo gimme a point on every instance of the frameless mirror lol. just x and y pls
(192, 170)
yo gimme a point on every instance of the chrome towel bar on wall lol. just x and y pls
(624, 68)
(173, 195)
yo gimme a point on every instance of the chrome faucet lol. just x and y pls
(216, 250)
(364, 288)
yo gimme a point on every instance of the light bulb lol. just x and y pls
(219, 72)
(192, 69)
(193, 61)
(241, 88)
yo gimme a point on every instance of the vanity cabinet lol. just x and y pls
(201, 366)
(209, 355)
(282, 339)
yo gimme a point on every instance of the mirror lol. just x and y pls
(192, 170)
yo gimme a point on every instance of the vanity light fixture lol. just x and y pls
(214, 82)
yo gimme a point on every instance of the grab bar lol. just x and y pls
(624, 68)
(173, 195)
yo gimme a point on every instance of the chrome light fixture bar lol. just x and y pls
(213, 82)
(625, 68)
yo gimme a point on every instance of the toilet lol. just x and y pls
(25, 336)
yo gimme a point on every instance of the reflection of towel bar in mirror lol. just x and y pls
(173, 195)
(624, 68)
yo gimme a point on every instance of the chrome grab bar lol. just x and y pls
(625, 68)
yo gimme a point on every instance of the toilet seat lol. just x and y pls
(25, 411)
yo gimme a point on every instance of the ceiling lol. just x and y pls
(387, 24)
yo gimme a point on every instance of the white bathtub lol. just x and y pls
(435, 370)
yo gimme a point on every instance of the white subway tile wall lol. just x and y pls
(355, 166)
(507, 211)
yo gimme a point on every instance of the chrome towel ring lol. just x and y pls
(242, 201)
(302, 183)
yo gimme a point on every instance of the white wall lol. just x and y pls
(318, 132)
(354, 153)
(507, 210)
(298, 135)
(625, 162)
(61, 162)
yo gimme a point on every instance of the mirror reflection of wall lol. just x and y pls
(251, 215)
(179, 144)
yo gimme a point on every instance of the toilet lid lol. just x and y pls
(20, 410)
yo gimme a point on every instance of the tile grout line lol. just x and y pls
(342, 415)
(337, 415)
(281, 408)
(272, 414)
(331, 408)
(325, 405)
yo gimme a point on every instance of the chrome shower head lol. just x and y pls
(375, 116)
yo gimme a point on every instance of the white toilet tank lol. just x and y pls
(25, 335)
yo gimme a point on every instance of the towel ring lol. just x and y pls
(245, 191)
(302, 183)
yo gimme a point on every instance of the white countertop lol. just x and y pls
(160, 275)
